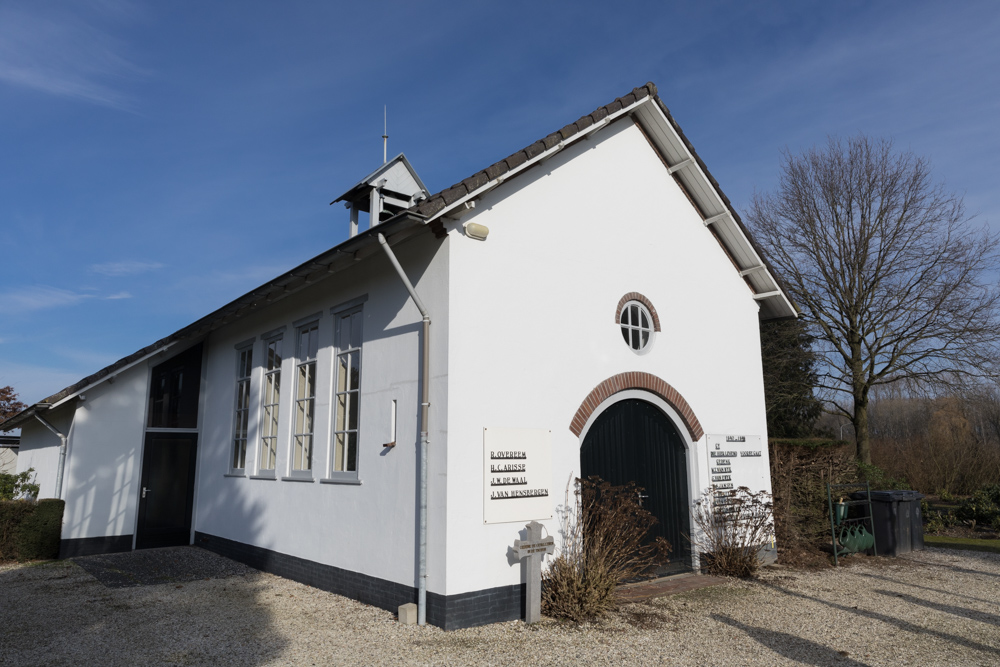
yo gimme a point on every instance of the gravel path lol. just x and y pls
(934, 607)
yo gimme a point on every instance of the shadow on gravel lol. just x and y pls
(968, 554)
(981, 616)
(908, 584)
(56, 613)
(891, 620)
(791, 646)
(168, 565)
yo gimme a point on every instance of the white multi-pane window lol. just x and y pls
(271, 403)
(305, 397)
(347, 337)
(637, 325)
(244, 366)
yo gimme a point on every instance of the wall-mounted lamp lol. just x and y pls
(392, 425)
(476, 231)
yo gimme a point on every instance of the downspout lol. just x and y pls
(62, 453)
(425, 386)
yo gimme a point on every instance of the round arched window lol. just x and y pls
(637, 325)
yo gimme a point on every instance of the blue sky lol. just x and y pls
(160, 159)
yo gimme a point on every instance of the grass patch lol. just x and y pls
(968, 543)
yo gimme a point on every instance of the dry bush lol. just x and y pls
(733, 527)
(800, 471)
(604, 543)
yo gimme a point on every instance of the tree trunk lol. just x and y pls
(863, 451)
(860, 391)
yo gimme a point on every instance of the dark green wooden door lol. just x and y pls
(167, 493)
(634, 441)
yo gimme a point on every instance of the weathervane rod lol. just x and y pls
(385, 132)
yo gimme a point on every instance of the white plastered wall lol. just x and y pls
(104, 447)
(40, 451)
(368, 528)
(533, 329)
(102, 463)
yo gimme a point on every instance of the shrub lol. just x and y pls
(30, 530)
(933, 523)
(879, 479)
(983, 507)
(38, 536)
(733, 527)
(12, 514)
(604, 543)
(21, 485)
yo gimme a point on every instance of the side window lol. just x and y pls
(307, 343)
(346, 423)
(241, 421)
(174, 390)
(271, 402)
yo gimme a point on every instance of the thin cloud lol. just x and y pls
(125, 268)
(39, 297)
(119, 295)
(62, 54)
(33, 382)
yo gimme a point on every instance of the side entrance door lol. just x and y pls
(634, 441)
(166, 497)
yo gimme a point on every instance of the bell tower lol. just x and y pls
(390, 189)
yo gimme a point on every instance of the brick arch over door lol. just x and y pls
(636, 380)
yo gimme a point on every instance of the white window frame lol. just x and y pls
(270, 413)
(341, 313)
(242, 408)
(627, 326)
(304, 439)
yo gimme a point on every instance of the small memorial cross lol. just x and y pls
(534, 548)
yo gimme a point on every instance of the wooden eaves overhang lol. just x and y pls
(331, 262)
(653, 118)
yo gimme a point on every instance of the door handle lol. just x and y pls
(641, 496)
(144, 490)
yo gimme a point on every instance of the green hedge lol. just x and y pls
(30, 530)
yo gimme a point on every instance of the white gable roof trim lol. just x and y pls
(653, 118)
(531, 162)
(715, 208)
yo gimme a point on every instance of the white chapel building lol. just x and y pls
(587, 306)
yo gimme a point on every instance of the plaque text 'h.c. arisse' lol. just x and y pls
(517, 474)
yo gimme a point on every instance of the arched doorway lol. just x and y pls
(634, 441)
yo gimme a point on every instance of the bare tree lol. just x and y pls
(890, 274)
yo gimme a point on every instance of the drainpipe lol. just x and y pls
(425, 386)
(62, 453)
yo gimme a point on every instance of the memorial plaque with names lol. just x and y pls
(517, 474)
(735, 461)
